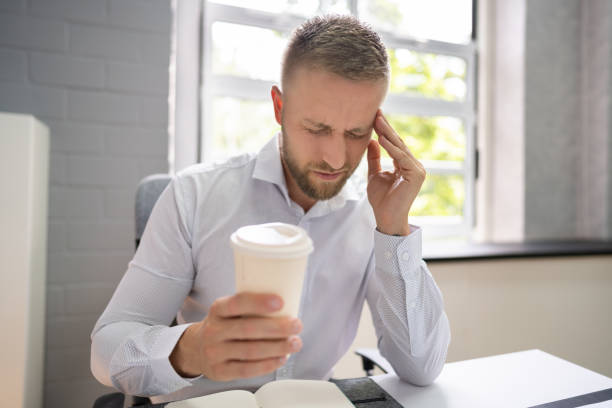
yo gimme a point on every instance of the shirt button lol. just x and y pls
(406, 256)
(388, 254)
(412, 305)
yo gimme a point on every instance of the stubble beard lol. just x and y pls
(321, 191)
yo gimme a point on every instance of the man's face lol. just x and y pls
(326, 125)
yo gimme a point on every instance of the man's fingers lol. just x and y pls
(402, 159)
(246, 304)
(384, 129)
(231, 370)
(405, 165)
(373, 158)
(260, 328)
(261, 349)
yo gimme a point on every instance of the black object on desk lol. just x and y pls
(362, 392)
(365, 393)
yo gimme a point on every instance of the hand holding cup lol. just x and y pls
(252, 332)
(238, 339)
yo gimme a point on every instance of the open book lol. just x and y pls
(275, 394)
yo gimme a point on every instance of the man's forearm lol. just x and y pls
(408, 308)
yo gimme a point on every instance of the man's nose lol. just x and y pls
(334, 151)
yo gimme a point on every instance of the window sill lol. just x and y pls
(534, 249)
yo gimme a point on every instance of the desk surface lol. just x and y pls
(521, 379)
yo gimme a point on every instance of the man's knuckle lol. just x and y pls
(232, 306)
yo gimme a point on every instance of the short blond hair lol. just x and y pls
(339, 44)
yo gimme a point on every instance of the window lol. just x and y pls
(431, 100)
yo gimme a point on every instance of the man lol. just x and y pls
(335, 76)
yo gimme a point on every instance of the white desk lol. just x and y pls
(521, 379)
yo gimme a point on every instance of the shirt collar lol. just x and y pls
(268, 167)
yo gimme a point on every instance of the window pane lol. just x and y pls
(429, 75)
(431, 138)
(247, 51)
(241, 126)
(301, 7)
(442, 20)
(304, 8)
(441, 196)
(335, 7)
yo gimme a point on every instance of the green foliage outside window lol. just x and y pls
(441, 195)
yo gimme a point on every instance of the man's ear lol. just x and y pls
(277, 101)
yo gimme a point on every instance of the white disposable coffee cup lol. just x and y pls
(272, 258)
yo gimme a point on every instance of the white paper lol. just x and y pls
(238, 398)
(301, 394)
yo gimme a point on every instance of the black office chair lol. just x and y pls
(371, 358)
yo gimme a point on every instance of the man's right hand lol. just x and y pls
(236, 340)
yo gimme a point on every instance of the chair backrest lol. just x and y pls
(148, 191)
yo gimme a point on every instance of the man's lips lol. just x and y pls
(328, 176)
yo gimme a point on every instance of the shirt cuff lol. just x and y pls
(165, 375)
(399, 255)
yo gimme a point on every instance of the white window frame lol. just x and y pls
(254, 89)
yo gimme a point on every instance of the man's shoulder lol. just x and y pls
(218, 166)
(199, 179)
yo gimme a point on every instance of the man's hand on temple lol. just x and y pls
(391, 194)
(236, 340)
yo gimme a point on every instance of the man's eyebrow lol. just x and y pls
(357, 130)
(317, 124)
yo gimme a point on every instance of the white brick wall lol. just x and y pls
(60, 69)
(76, 137)
(13, 67)
(41, 101)
(33, 33)
(96, 72)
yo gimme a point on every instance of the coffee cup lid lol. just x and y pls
(273, 240)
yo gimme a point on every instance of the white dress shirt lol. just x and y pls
(185, 262)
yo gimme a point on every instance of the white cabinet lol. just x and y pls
(24, 164)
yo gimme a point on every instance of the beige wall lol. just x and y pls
(562, 305)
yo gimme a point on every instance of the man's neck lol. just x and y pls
(295, 192)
